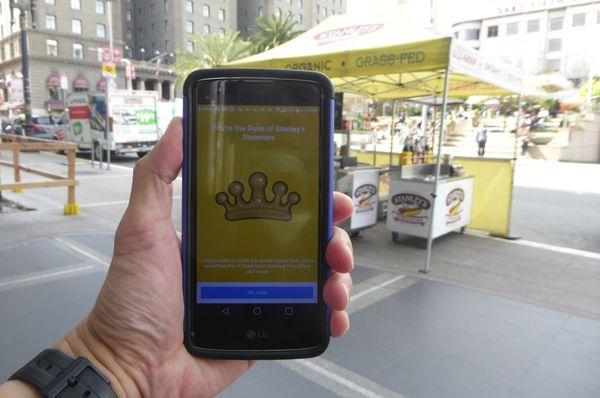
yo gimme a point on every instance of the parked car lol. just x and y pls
(46, 127)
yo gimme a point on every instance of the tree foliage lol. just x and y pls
(211, 51)
(583, 91)
(273, 31)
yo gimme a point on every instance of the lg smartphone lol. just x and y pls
(257, 212)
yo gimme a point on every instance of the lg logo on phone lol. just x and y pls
(252, 334)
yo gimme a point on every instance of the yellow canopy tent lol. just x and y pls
(387, 55)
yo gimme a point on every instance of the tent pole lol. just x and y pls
(517, 129)
(434, 122)
(437, 172)
(392, 132)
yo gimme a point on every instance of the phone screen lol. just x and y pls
(257, 230)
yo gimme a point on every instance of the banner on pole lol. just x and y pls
(109, 69)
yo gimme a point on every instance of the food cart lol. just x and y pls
(361, 184)
(410, 201)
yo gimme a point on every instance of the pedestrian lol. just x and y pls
(524, 145)
(134, 333)
(481, 139)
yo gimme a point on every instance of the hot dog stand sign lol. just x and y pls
(410, 208)
(454, 202)
(365, 198)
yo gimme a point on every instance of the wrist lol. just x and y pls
(81, 342)
(17, 388)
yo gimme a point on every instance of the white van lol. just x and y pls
(133, 121)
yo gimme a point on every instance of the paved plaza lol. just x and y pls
(493, 318)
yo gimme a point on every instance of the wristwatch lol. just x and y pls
(56, 375)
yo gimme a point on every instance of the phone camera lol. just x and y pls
(250, 334)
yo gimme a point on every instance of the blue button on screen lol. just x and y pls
(256, 292)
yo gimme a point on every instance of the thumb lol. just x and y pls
(151, 191)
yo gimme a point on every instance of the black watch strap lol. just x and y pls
(57, 375)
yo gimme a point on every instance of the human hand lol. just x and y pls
(134, 333)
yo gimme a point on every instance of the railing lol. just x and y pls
(17, 143)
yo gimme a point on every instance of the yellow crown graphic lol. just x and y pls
(258, 206)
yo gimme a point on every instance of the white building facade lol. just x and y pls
(539, 36)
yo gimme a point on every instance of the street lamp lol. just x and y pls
(143, 52)
(22, 6)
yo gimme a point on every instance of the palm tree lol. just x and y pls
(210, 51)
(273, 31)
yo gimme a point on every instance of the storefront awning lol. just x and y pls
(101, 85)
(53, 81)
(81, 82)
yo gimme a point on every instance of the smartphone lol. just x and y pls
(257, 212)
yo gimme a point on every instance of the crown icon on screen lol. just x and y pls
(258, 206)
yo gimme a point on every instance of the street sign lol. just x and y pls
(109, 70)
(117, 54)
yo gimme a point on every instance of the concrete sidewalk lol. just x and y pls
(493, 318)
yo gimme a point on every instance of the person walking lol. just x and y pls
(481, 139)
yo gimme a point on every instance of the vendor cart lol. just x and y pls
(361, 183)
(410, 201)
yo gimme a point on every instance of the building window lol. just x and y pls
(278, 12)
(492, 31)
(324, 11)
(76, 4)
(167, 26)
(472, 34)
(76, 26)
(290, 2)
(300, 19)
(512, 28)
(206, 29)
(129, 34)
(166, 5)
(598, 17)
(206, 11)
(533, 25)
(152, 10)
(152, 31)
(222, 31)
(189, 27)
(100, 30)
(129, 15)
(221, 14)
(49, 2)
(77, 50)
(318, 9)
(300, 5)
(50, 22)
(51, 48)
(556, 23)
(261, 12)
(579, 19)
(189, 6)
(140, 15)
(553, 65)
(554, 44)
(99, 6)
(167, 46)
(189, 46)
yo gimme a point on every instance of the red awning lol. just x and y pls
(101, 86)
(53, 80)
(81, 82)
